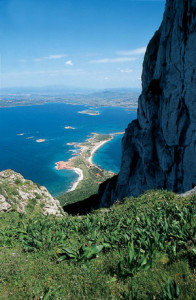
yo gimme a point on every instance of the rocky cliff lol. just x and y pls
(159, 148)
(25, 196)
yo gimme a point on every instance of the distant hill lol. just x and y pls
(35, 96)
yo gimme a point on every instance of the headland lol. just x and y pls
(90, 175)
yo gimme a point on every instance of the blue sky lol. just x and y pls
(81, 43)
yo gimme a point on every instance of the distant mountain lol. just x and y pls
(115, 93)
(55, 94)
(62, 90)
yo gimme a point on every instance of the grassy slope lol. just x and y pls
(96, 252)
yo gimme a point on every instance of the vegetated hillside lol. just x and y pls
(25, 196)
(140, 248)
(159, 149)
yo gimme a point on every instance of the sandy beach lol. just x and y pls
(60, 165)
(95, 148)
(90, 144)
(80, 177)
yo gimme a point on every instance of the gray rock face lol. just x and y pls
(4, 205)
(159, 148)
(189, 193)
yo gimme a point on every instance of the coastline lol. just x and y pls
(132, 107)
(90, 159)
(91, 145)
(80, 178)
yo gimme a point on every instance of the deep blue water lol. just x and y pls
(36, 161)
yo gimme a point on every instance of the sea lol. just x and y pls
(21, 126)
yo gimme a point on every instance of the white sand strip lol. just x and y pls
(94, 149)
(80, 173)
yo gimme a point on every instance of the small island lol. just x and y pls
(40, 140)
(69, 127)
(89, 112)
(89, 175)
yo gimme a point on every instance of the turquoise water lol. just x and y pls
(109, 155)
(36, 161)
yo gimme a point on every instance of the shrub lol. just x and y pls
(18, 181)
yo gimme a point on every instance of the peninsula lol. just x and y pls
(89, 174)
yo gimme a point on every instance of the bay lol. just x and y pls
(20, 127)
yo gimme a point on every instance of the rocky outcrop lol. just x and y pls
(4, 205)
(159, 148)
(25, 196)
(189, 193)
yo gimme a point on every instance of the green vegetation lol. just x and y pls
(88, 186)
(101, 137)
(18, 181)
(141, 248)
(93, 175)
(31, 205)
(23, 195)
(9, 191)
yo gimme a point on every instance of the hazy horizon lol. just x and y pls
(62, 88)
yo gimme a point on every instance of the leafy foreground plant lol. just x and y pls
(171, 291)
(129, 266)
(126, 252)
(83, 253)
